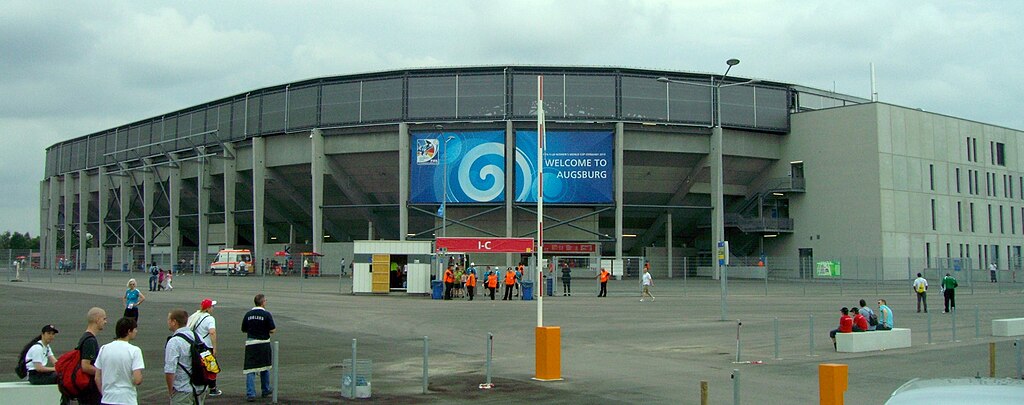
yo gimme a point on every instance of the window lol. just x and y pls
(931, 177)
(977, 184)
(968, 149)
(1013, 222)
(959, 217)
(974, 149)
(970, 181)
(958, 180)
(990, 218)
(948, 252)
(933, 214)
(1001, 229)
(992, 152)
(1000, 154)
(971, 216)
(928, 255)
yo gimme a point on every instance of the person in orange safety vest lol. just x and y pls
(449, 283)
(492, 282)
(510, 282)
(603, 277)
(471, 285)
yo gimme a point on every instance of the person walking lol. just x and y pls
(885, 318)
(603, 278)
(258, 325)
(471, 284)
(921, 288)
(492, 282)
(131, 300)
(566, 280)
(949, 286)
(119, 366)
(648, 282)
(178, 362)
(203, 324)
(510, 282)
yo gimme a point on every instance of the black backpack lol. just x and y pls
(199, 377)
(20, 369)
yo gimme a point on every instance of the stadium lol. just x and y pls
(807, 175)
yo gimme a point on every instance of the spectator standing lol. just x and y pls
(178, 362)
(921, 288)
(885, 317)
(38, 357)
(204, 325)
(603, 278)
(949, 286)
(131, 300)
(647, 282)
(258, 325)
(89, 347)
(845, 326)
(119, 366)
(154, 273)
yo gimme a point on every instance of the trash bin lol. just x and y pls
(527, 290)
(436, 289)
(550, 287)
(363, 383)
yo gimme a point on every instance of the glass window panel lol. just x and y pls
(198, 122)
(219, 120)
(590, 96)
(382, 100)
(772, 108)
(167, 130)
(65, 158)
(481, 96)
(737, 106)
(643, 99)
(432, 97)
(273, 113)
(135, 141)
(252, 119)
(339, 103)
(237, 121)
(524, 95)
(76, 158)
(690, 103)
(302, 107)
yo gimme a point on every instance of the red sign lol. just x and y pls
(570, 247)
(485, 245)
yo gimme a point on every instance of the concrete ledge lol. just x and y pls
(857, 342)
(21, 392)
(1008, 327)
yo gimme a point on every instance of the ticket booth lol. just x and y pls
(386, 267)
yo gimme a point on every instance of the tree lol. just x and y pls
(18, 240)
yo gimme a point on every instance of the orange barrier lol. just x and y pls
(549, 353)
(832, 383)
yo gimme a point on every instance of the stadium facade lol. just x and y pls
(808, 174)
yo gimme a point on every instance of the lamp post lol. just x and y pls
(444, 196)
(717, 193)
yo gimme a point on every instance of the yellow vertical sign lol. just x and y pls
(381, 278)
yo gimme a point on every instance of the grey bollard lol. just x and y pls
(426, 356)
(276, 364)
(736, 386)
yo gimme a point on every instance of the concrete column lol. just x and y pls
(174, 209)
(316, 169)
(403, 180)
(103, 202)
(668, 241)
(619, 134)
(124, 193)
(69, 214)
(83, 218)
(510, 185)
(230, 181)
(203, 204)
(148, 197)
(259, 184)
(53, 204)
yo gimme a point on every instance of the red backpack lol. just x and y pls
(71, 380)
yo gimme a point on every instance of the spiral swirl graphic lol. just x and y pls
(487, 161)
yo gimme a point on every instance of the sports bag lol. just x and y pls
(72, 381)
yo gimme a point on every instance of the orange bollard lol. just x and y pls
(549, 353)
(832, 383)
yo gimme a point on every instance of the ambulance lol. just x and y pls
(227, 262)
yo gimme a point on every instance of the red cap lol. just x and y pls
(207, 303)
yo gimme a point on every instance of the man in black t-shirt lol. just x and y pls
(90, 347)
(258, 324)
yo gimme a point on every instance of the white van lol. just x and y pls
(227, 262)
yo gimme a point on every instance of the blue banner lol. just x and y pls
(475, 167)
(577, 167)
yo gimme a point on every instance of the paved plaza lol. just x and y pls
(614, 349)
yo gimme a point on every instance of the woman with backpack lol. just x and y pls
(36, 355)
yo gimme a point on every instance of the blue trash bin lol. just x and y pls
(436, 289)
(527, 290)
(550, 287)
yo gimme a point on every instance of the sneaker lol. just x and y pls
(641, 300)
(267, 394)
(250, 399)
(215, 392)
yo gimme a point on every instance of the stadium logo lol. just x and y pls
(426, 151)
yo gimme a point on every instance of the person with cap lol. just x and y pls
(119, 365)
(131, 300)
(37, 354)
(845, 326)
(203, 324)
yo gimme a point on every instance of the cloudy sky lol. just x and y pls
(72, 68)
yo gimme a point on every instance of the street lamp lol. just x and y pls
(717, 194)
(444, 196)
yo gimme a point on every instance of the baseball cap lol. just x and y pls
(50, 328)
(207, 303)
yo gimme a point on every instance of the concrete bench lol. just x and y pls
(21, 392)
(872, 340)
(1008, 327)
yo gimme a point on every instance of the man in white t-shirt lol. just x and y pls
(921, 288)
(648, 282)
(204, 324)
(119, 366)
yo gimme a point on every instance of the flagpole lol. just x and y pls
(540, 200)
